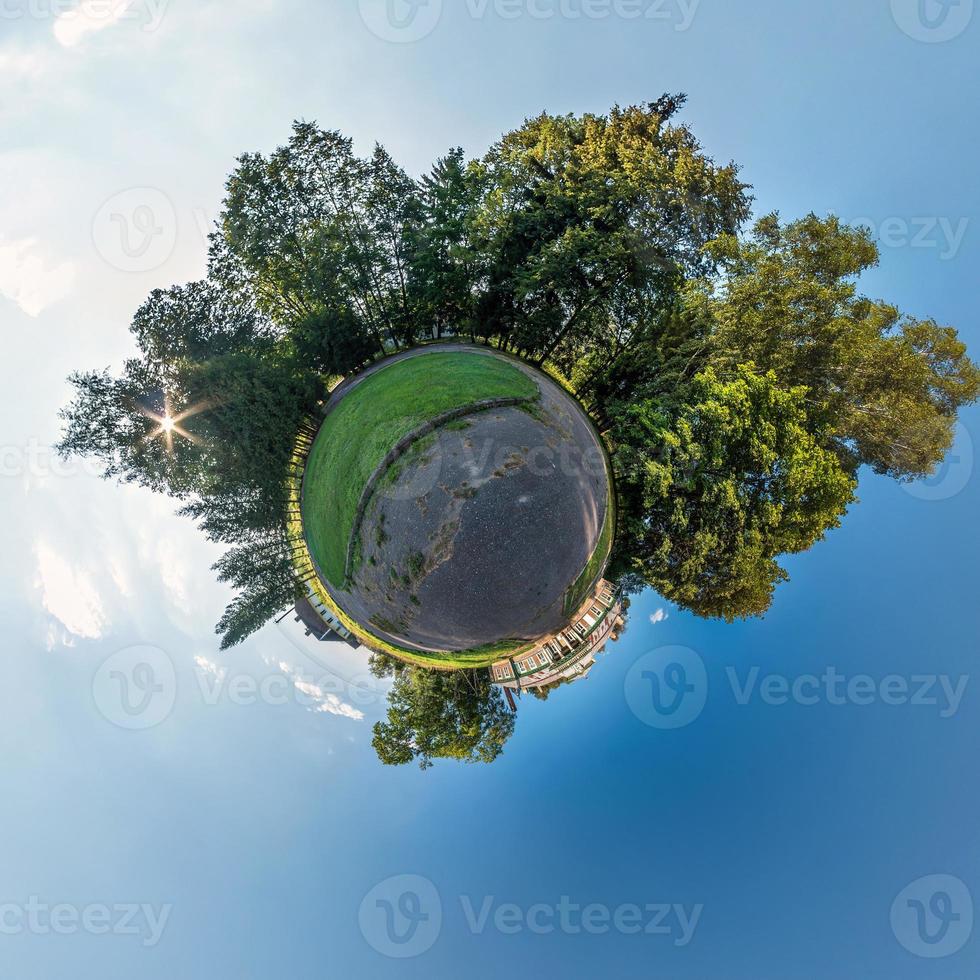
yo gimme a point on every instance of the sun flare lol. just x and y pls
(170, 423)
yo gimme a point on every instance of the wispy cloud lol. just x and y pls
(29, 279)
(212, 669)
(316, 697)
(23, 63)
(69, 595)
(659, 616)
(87, 18)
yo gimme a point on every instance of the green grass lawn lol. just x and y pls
(582, 586)
(369, 421)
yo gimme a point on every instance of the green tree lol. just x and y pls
(237, 418)
(884, 388)
(717, 485)
(317, 234)
(197, 322)
(583, 216)
(440, 715)
(238, 401)
(262, 571)
(444, 263)
(254, 410)
(205, 361)
(117, 421)
(333, 342)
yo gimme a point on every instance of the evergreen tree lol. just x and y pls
(444, 267)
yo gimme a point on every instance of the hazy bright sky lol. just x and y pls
(246, 829)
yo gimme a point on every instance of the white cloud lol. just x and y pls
(88, 17)
(207, 667)
(57, 636)
(659, 616)
(29, 280)
(315, 697)
(175, 573)
(68, 595)
(120, 576)
(19, 63)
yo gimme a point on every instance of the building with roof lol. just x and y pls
(321, 624)
(571, 653)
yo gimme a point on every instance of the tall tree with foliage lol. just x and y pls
(741, 378)
(583, 216)
(719, 483)
(884, 387)
(208, 413)
(440, 715)
(835, 379)
(316, 233)
(262, 571)
(445, 263)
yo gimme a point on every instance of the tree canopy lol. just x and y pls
(440, 715)
(742, 419)
(885, 388)
(740, 378)
(736, 481)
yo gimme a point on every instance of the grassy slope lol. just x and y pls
(360, 431)
(583, 585)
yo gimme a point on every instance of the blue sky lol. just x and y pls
(252, 832)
